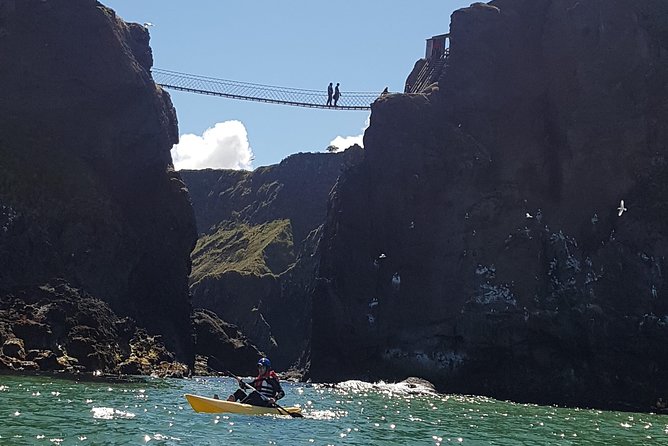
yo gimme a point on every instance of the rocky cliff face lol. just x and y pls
(88, 193)
(292, 190)
(254, 261)
(480, 245)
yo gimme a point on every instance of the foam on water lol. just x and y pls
(400, 388)
(326, 414)
(109, 413)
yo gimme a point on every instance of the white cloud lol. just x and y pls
(223, 146)
(343, 142)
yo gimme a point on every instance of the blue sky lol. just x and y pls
(365, 45)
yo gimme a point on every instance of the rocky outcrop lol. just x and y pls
(55, 327)
(254, 261)
(223, 347)
(88, 193)
(479, 244)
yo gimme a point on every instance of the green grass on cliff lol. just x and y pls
(263, 249)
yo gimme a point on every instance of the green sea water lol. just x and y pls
(147, 411)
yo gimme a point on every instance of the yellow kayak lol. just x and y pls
(211, 405)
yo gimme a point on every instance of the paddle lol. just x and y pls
(248, 386)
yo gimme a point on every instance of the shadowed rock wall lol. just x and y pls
(479, 244)
(88, 192)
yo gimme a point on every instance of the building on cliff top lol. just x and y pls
(428, 70)
(437, 47)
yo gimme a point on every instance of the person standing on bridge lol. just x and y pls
(330, 90)
(337, 94)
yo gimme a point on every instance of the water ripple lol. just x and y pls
(153, 411)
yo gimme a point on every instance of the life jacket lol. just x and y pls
(263, 386)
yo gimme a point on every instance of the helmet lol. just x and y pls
(264, 362)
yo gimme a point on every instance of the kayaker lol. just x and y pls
(267, 388)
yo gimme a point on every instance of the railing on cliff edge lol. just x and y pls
(429, 73)
(261, 93)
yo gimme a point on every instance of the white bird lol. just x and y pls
(621, 208)
(148, 24)
(528, 215)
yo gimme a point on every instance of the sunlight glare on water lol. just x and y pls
(51, 411)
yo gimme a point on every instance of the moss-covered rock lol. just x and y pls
(263, 249)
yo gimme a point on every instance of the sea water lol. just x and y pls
(146, 411)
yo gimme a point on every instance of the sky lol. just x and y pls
(365, 45)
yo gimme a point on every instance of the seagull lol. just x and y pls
(621, 208)
(528, 215)
(148, 24)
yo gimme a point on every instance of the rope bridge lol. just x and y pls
(262, 93)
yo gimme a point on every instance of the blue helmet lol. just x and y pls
(264, 362)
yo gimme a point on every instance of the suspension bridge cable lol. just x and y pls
(353, 100)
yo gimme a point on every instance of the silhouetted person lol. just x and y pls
(330, 90)
(337, 94)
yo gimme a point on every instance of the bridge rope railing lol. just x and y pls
(193, 83)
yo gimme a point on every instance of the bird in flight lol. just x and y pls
(621, 208)
(148, 24)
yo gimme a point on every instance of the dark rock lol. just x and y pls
(170, 369)
(36, 335)
(241, 297)
(148, 356)
(418, 384)
(45, 360)
(201, 367)
(292, 375)
(68, 363)
(92, 197)
(130, 368)
(13, 348)
(479, 246)
(223, 345)
(66, 329)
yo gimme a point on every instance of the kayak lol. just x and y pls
(212, 405)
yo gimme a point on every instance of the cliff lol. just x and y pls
(254, 261)
(479, 243)
(88, 193)
(296, 189)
